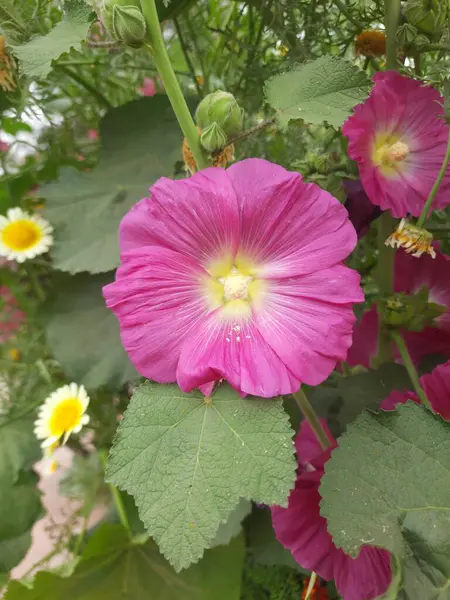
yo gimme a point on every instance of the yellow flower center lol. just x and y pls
(21, 235)
(233, 287)
(389, 153)
(66, 416)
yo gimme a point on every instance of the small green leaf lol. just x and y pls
(19, 449)
(141, 142)
(187, 462)
(369, 389)
(233, 525)
(115, 568)
(324, 90)
(20, 507)
(264, 547)
(388, 485)
(84, 481)
(84, 335)
(36, 56)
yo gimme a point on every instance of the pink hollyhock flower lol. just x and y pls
(398, 137)
(436, 386)
(238, 275)
(3, 146)
(93, 135)
(303, 531)
(11, 317)
(411, 275)
(360, 209)
(148, 88)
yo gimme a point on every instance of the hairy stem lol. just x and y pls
(392, 15)
(173, 90)
(400, 343)
(313, 420)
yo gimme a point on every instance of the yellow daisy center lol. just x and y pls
(66, 416)
(21, 235)
(389, 153)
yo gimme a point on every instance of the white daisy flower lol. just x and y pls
(23, 235)
(62, 413)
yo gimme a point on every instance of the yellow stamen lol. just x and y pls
(389, 153)
(21, 235)
(66, 416)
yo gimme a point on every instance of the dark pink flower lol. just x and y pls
(3, 146)
(360, 209)
(398, 137)
(411, 275)
(436, 386)
(93, 135)
(11, 317)
(148, 88)
(302, 530)
(236, 274)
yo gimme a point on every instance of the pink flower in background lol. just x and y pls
(3, 146)
(360, 209)
(148, 88)
(303, 531)
(436, 386)
(238, 275)
(11, 317)
(398, 137)
(93, 135)
(411, 275)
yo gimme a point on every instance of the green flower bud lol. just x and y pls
(213, 138)
(126, 23)
(406, 34)
(429, 16)
(413, 313)
(221, 108)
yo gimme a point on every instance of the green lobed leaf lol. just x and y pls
(113, 567)
(19, 449)
(324, 90)
(188, 461)
(83, 334)
(36, 56)
(233, 525)
(388, 485)
(141, 142)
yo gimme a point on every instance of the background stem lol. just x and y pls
(171, 84)
(409, 365)
(313, 420)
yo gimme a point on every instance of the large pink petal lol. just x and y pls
(365, 339)
(288, 227)
(437, 388)
(158, 299)
(218, 349)
(308, 321)
(365, 577)
(197, 217)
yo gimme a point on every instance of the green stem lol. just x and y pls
(434, 190)
(400, 342)
(392, 15)
(117, 498)
(384, 276)
(313, 420)
(171, 84)
(345, 11)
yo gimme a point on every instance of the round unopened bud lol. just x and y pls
(429, 16)
(126, 23)
(213, 138)
(221, 108)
